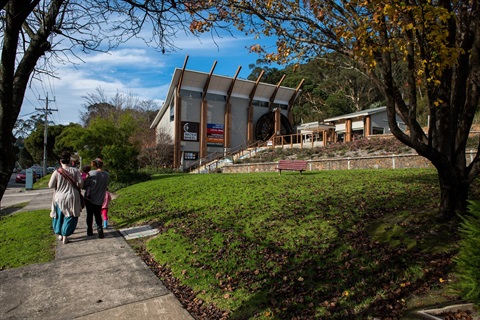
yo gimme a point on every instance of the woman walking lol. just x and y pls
(97, 184)
(66, 203)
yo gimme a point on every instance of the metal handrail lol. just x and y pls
(213, 157)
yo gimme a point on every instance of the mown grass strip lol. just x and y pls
(26, 238)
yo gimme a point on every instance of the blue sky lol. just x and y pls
(134, 69)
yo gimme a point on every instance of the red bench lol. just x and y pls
(296, 165)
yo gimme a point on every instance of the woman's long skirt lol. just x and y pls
(64, 226)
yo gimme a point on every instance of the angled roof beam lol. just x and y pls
(252, 93)
(180, 80)
(230, 89)
(272, 98)
(294, 96)
(205, 87)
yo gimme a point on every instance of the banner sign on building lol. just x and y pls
(190, 131)
(190, 155)
(215, 134)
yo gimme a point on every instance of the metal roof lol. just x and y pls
(195, 81)
(361, 113)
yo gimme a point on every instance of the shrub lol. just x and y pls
(468, 258)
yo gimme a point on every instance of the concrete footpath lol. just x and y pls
(90, 278)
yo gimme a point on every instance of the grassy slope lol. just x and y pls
(337, 244)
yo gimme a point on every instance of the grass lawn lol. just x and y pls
(327, 244)
(26, 238)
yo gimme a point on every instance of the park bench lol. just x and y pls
(296, 165)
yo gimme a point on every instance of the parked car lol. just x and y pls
(38, 170)
(50, 169)
(21, 177)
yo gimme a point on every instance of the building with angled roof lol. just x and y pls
(208, 114)
(362, 123)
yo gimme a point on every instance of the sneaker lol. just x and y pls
(89, 232)
(105, 224)
(65, 240)
(100, 234)
(59, 238)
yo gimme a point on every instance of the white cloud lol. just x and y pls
(137, 69)
(123, 56)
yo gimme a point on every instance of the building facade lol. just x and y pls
(207, 114)
(362, 123)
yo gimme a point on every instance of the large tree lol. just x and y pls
(58, 29)
(35, 144)
(436, 41)
(107, 138)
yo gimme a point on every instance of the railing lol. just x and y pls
(214, 161)
(297, 139)
(205, 160)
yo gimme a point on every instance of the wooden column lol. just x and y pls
(348, 130)
(278, 123)
(203, 129)
(177, 115)
(226, 129)
(250, 123)
(324, 137)
(367, 126)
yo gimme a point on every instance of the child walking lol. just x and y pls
(106, 201)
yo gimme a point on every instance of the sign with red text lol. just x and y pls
(215, 135)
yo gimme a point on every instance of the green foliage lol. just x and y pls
(468, 258)
(292, 245)
(26, 238)
(338, 104)
(108, 139)
(328, 89)
(34, 143)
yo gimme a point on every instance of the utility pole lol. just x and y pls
(47, 111)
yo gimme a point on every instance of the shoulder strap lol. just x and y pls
(70, 179)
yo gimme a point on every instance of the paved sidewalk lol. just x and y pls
(90, 279)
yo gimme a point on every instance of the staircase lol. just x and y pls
(215, 161)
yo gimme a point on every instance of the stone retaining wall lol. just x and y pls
(373, 162)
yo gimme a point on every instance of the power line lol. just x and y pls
(47, 111)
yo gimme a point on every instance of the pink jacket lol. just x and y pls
(106, 201)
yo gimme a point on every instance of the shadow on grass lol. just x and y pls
(269, 265)
(349, 276)
(12, 209)
(355, 276)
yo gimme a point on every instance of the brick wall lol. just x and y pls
(374, 162)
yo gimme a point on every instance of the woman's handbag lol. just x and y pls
(70, 179)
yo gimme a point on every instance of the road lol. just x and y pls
(16, 194)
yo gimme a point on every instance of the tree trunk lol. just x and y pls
(7, 160)
(453, 193)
